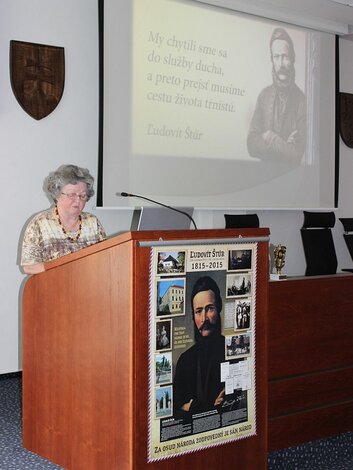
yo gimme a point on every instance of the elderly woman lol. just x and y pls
(63, 228)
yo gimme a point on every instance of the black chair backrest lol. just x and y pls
(348, 237)
(242, 220)
(319, 248)
(347, 223)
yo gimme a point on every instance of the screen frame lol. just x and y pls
(101, 94)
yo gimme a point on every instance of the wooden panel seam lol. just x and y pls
(318, 372)
(313, 408)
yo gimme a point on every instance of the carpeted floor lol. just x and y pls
(335, 453)
(12, 455)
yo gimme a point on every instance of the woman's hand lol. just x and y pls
(33, 268)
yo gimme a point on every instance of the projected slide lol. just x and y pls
(219, 86)
(204, 106)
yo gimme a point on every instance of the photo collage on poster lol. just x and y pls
(239, 290)
(170, 302)
(201, 296)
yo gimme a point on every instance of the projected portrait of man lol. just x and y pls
(197, 385)
(278, 126)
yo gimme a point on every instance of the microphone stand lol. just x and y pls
(123, 194)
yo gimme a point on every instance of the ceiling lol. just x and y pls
(335, 16)
(339, 11)
(344, 7)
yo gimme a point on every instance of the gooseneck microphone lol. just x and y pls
(123, 194)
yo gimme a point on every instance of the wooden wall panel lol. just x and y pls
(310, 365)
(310, 325)
(310, 391)
(296, 428)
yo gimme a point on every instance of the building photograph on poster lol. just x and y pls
(171, 263)
(170, 296)
(202, 377)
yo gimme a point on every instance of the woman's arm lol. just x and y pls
(33, 268)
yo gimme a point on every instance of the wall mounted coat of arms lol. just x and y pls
(37, 74)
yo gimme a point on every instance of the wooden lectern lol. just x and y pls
(85, 358)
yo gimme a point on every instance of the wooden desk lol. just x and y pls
(310, 359)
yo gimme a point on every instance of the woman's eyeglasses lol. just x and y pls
(73, 196)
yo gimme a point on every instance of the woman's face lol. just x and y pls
(69, 203)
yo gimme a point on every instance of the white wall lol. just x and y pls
(345, 206)
(30, 149)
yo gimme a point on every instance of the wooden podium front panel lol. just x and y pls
(85, 360)
(310, 359)
(77, 330)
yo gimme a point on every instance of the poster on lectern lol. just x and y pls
(202, 338)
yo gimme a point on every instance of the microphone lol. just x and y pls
(123, 194)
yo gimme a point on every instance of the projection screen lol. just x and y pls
(207, 107)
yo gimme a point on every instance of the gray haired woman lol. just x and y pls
(63, 228)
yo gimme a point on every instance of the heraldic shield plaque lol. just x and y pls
(37, 76)
(346, 118)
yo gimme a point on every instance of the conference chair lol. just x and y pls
(347, 223)
(319, 248)
(242, 220)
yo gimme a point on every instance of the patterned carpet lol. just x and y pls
(335, 453)
(12, 455)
